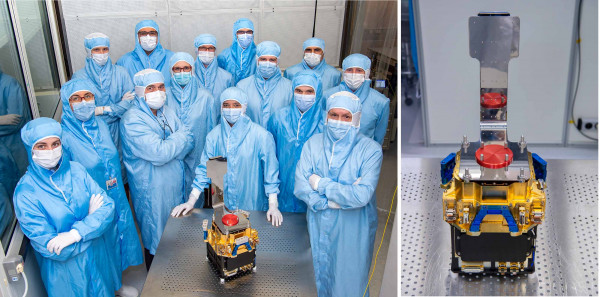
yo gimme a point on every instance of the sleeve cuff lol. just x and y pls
(322, 185)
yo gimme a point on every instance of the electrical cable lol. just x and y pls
(26, 284)
(578, 44)
(381, 243)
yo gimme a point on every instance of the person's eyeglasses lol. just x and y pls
(151, 33)
(184, 69)
(86, 97)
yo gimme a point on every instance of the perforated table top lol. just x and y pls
(283, 260)
(566, 258)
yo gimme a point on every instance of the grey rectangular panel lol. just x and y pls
(566, 258)
(120, 30)
(329, 26)
(289, 27)
(283, 260)
(187, 26)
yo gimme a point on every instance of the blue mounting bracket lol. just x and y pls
(485, 210)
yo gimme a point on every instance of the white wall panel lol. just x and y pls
(538, 78)
(286, 22)
(120, 30)
(329, 27)
(289, 28)
(586, 104)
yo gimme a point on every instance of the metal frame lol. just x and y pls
(419, 44)
(55, 34)
(14, 16)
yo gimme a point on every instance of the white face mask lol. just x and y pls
(312, 59)
(206, 57)
(156, 99)
(47, 158)
(354, 80)
(148, 42)
(100, 59)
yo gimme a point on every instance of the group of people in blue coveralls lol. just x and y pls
(305, 141)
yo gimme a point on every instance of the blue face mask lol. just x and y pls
(338, 129)
(245, 39)
(84, 110)
(304, 102)
(266, 69)
(182, 78)
(231, 114)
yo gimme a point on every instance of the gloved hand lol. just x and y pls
(313, 180)
(128, 96)
(96, 202)
(184, 208)
(273, 214)
(100, 110)
(333, 205)
(63, 240)
(10, 119)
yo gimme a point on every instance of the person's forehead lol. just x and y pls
(244, 29)
(80, 93)
(47, 140)
(354, 68)
(312, 47)
(340, 110)
(155, 84)
(268, 57)
(304, 88)
(146, 29)
(230, 101)
(181, 64)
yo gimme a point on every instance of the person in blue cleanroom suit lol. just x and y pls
(115, 87)
(252, 181)
(212, 77)
(240, 58)
(336, 177)
(267, 90)
(375, 106)
(148, 52)
(64, 213)
(87, 140)
(314, 60)
(193, 105)
(9, 176)
(291, 128)
(155, 143)
(14, 114)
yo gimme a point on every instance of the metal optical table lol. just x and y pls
(566, 258)
(283, 260)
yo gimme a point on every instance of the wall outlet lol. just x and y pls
(587, 124)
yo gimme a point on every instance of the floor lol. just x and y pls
(388, 181)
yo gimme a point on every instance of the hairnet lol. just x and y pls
(181, 56)
(75, 85)
(347, 101)
(95, 40)
(357, 60)
(268, 48)
(146, 24)
(38, 129)
(318, 42)
(306, 78)
(234, 93)
(205, 39)
(144, 78)
(242, 23)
